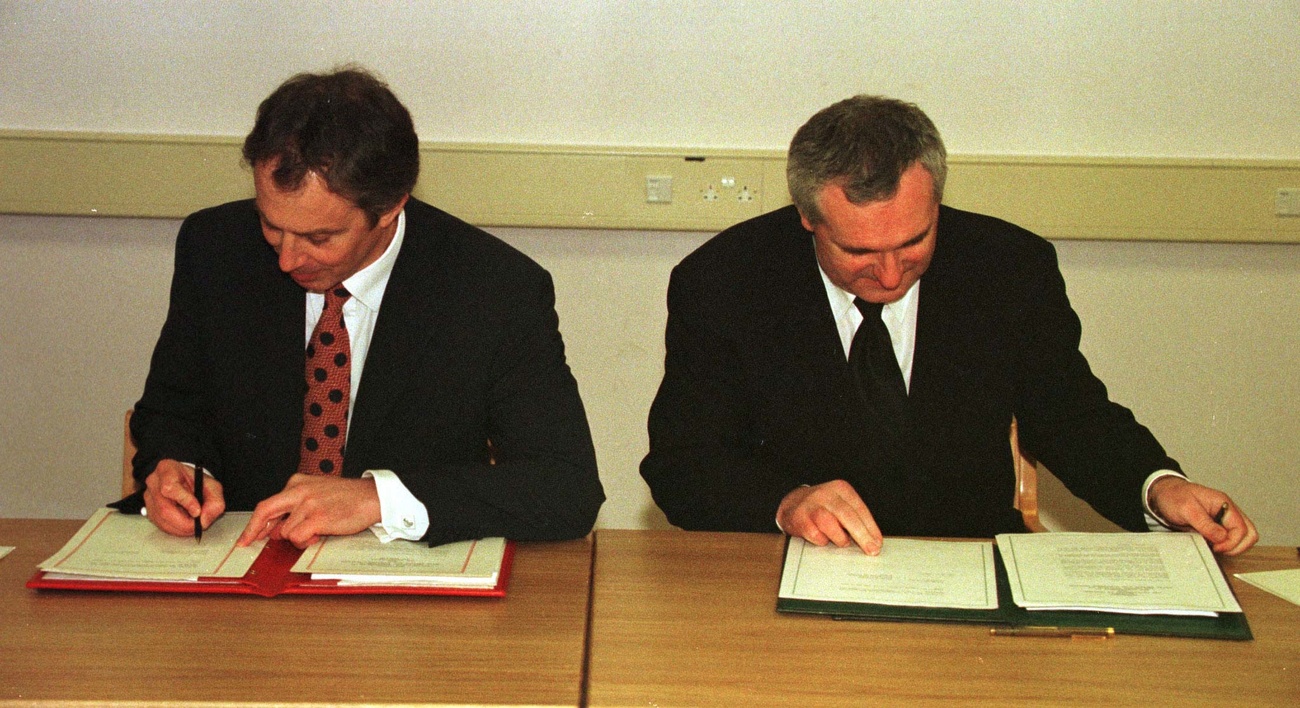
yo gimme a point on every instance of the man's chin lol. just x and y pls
(309, 283)
(882, 297)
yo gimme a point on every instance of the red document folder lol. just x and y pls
(269, 576)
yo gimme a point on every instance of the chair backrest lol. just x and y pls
(1026, 496)
(129, 485)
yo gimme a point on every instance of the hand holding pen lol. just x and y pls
(182, 500)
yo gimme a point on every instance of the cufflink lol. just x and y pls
(408, 522)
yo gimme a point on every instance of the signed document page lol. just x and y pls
(915, 573)
(1141, 573)
(363, 559)
(116, 546)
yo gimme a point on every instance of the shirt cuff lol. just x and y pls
(777, 520)
(401, 514)
(1154, 522)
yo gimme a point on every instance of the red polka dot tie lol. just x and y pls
(329, 386)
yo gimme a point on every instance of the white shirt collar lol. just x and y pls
(368, 284)
(899, 318)
(842, 300)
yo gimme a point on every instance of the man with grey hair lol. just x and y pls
(849, 366)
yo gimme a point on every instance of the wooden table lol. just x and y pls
(157, 648)
(684, 618)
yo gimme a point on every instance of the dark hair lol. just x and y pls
(347, 127)
(864, 144)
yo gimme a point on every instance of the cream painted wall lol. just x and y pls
(1090, 77)
(1199, 339)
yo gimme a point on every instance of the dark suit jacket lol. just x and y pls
(466, 349)
(757, 397)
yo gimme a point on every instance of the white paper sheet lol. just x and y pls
(363, 559)
(113, 545)
(1139, 573)
(1283, 583)
(908, 572)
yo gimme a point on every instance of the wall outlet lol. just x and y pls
(1288, 201)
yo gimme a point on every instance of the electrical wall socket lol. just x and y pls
(1288, 201)
(712, 192)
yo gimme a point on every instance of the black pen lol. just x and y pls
(198, 494)
(1223, 511)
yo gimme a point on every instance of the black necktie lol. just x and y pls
(875, 369)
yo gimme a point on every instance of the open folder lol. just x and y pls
(125, 552)
(1156, 584)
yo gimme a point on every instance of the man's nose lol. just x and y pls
(290, 258)
(889, 271)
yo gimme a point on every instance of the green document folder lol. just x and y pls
(1228, 625)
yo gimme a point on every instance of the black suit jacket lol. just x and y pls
(757, 397)
(466, 349)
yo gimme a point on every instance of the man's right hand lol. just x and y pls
(170, 502)
(829, 513)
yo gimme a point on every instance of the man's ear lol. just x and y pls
(807, 224)
(387, 217)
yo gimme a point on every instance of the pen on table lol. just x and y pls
(198, 494)
(1033, 631)
(1223, 511)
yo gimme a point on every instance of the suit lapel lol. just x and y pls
(408, 321)
(938, 324)
(271, 343)
(955, 335)
(804, 322)
(261, 352)
(806, 337)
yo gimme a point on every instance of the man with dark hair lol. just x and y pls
(850, 366)
(467, 422)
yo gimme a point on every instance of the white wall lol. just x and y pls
(1199, 339)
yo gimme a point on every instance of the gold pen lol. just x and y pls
(1038, 631)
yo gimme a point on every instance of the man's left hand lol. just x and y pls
(312, 506)
(1189, 506)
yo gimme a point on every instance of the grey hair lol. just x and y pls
(864, 144)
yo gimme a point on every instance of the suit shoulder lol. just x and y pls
(232, 229)
(971, 231)
(977, 240)
(461, 246)
(769, 238)
(231, 213)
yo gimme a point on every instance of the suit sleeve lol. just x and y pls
(708, 467)
(543, 484)
(168, 421)
(1066, 418)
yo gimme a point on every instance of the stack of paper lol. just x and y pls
(114, 546)
(115, 551)
(1146, 573)
(363, 560)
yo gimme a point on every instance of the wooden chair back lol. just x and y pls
(129, 485)
(1026, 496)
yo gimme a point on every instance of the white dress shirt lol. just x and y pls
(403, 516)
(900, 319)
